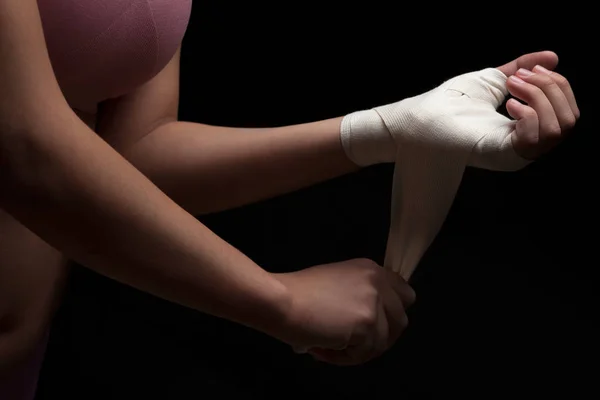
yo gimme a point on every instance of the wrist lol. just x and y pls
(287, 325)
(273, 315)
(365, 138)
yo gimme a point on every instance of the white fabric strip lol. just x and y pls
(435, 135)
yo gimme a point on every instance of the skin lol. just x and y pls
(548, 109)
(124, 227)
(70, 188)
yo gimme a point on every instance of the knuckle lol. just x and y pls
(405, 325)
(362, 261)
(531, 91)
(411, 296)
(372, 276)
(366, 263)
(560, 80)
(569, 122)
(545, 81)
(553, 131)
(529, 112)
(404, 322)
(368, 318)
(537, 92)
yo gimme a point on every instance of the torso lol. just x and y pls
(99, 49)
(103, 49)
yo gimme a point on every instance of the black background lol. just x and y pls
(507, 295)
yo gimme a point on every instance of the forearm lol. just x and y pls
(68, 186)
(238, 166)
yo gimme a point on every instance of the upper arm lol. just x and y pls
(125, 120)
(28, 85)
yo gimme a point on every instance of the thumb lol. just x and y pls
(547, 59)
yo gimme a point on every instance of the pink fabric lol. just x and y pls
(102, 49)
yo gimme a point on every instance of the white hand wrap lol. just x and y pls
(432, 138)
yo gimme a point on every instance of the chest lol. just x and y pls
(102, 49)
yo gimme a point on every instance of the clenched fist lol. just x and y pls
(345, 313)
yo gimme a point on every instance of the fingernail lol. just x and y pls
(516, 79)
(514, 102)
(541, 69)
(524, 72)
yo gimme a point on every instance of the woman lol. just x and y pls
(88, 128)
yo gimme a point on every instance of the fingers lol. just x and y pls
(395, 316)
(547, 59)
(378, 341)
(365, 349)
(397, 323)
(564, 85)
(550, 105)
(399, 297)
(525, 142)
(336, 357)
(384, 330)
(378, 326)
(554, 93)
(402, 289)
(549, 128)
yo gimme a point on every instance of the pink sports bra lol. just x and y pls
(101, 49)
